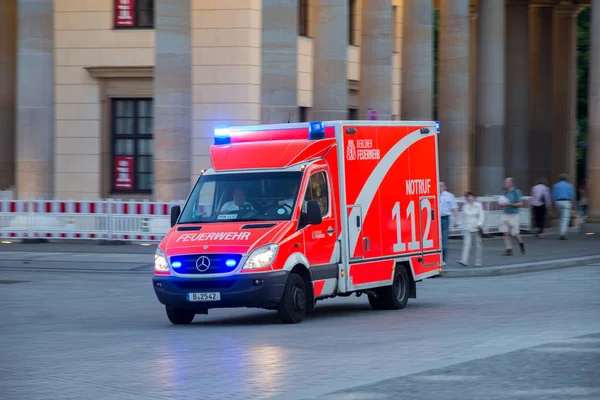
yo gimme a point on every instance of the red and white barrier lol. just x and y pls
(108, 220)
(140, 221)
(493, 212)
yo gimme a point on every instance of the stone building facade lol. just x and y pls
(119, 98)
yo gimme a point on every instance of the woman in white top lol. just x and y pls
(472, 217)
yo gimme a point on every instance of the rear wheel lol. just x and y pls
(393, 297)
(179, 316)
(294, 301)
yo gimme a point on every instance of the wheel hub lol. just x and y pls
(298, 299)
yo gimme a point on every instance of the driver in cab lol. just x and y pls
(239, 202)
(290, 201)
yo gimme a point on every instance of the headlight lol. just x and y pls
(160, 261)
(262, 257)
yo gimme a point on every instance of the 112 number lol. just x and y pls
(400, 246)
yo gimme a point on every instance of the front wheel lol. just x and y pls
(294, 301)
(179, 316)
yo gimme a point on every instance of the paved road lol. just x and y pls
(73, 335)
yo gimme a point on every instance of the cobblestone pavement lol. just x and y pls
(67, 335)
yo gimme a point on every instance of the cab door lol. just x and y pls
(320, 240)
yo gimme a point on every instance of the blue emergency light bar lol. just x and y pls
(316, 130)
(437, 126)
(222, 135)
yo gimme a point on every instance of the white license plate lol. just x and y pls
(209, 296)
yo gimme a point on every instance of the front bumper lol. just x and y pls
(261, 290)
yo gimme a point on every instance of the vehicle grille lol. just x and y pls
(192, 284)
(217, 263)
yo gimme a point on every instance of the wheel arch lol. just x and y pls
(412, 292)
(306, 275)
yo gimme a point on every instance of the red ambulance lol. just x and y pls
(294, 213)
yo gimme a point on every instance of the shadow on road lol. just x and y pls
(321, 312)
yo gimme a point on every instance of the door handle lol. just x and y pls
(367, 243)
(432, 215)
(358, 221)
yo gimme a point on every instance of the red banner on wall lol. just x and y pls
(123, 175)
(124, 13)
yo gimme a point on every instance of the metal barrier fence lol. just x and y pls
(6, 194)
(139, 221)
(493, 212)
(100, 220)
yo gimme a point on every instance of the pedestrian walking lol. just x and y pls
(473, 217)
(540, 202)
(448, 207)
(510, 219)
(563, 195)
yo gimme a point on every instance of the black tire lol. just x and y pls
(293, 305)
(395, 297)
(179, 316)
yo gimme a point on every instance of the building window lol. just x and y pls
(351, 28)
(131, 131)
(134, 14)
(303, 114)
(303, 17)
(353, 114)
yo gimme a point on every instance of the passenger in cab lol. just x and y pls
(239, 201)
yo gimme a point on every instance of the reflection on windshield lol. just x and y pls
(242, 197)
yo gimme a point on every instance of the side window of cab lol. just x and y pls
(318, 190)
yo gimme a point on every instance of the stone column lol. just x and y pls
(474, 24)
(8, 43)
(376, 59)
(593, 152)
(454, 94)
(330, 79)
(564, 90)
(517, 92)
(224, 94)
(490, 97)
(417, 60)
(35, 99)
(279, 84)
(172, 100)
(540, 47)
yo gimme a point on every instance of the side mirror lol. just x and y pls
(175, 211)
(313, 213)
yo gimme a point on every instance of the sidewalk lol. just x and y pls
(541, 254)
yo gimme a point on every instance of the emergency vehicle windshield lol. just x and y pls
(262, 196)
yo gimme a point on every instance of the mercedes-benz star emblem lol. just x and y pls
(203, 264)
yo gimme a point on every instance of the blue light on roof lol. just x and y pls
(176, 264)
(222, 135)
(230, 263)
(316, 130)
(437, 126)
(222, 131)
